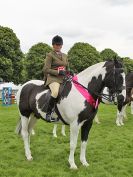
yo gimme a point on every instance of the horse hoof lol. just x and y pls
(33, 132)
(55, 136)
(98, 122)
(73, 167)
(30, 158)
(118, 125)
(63, 134)
(85, 164)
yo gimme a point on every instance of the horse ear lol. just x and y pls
(116, 62)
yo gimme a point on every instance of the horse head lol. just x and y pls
(115, 79)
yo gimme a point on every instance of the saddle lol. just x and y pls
(64, 90)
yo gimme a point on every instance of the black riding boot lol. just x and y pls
(51, 105)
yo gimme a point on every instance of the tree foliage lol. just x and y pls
(128, 64)
(11, 52)
(82, 55)
(6, 70)
(35, 60)
(16, 67)
(108, 54)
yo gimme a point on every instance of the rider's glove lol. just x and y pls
(62, 72)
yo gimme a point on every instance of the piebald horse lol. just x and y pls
(129, 99)
(121, 111)
(72, 108)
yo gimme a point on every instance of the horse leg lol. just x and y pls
(97, 119)
(63, 130)
(32, 122)
(120, 110)
(84, 137)
(131, 107)
(74, 130)
(120, 115)
(33, 132)
(118, 118)
(54, 131)
(124, 112)
(25, 135)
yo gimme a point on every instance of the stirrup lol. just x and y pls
(49, 118)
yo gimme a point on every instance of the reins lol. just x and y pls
(101, 95)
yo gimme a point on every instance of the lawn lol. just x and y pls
(109, 150)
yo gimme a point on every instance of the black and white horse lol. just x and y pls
(121, 112)
(129, 99)
(73, 108)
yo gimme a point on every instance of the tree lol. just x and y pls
(128, 64)
(24, 71)
(108, 54)
(35, 60)
(82, 55)
(6, 70)
(10, 49)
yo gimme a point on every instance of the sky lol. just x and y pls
(101, 23)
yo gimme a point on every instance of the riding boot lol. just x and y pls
(50, 108)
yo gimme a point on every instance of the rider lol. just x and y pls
(56, 64)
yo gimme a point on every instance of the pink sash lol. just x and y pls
(85, 93)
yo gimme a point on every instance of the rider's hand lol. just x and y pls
(62, 72)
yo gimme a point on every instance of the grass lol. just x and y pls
(109, 150)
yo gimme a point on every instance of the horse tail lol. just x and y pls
(18, 127)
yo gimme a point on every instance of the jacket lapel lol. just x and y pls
(56, 56)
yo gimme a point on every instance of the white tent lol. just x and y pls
(9, 84)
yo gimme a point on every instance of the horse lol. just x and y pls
(122, 108)
(73, 107)
(129, 99)
(132, 105)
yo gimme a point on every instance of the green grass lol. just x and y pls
(109, 150)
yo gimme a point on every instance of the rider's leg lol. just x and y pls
(54, 87)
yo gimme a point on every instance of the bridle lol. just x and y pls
(113, 92)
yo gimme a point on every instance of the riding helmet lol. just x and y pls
(57, 40)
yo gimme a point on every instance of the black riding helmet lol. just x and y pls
(57, 40)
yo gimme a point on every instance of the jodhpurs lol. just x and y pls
(54, 87)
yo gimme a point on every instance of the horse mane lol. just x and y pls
(113, 63)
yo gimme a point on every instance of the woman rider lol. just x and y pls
(56, 64)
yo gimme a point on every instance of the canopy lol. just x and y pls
(9, 84)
